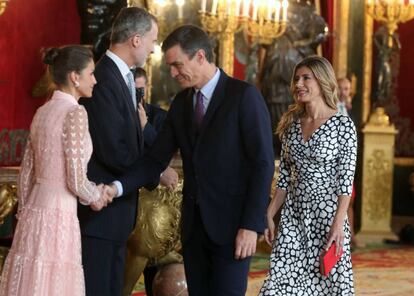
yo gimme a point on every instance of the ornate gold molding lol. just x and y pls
(404, 161)
(367, 70)
(340, 33)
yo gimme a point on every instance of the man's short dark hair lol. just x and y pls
(139, 72)
(191, 39)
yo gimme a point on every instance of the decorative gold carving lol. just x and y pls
(379, 184)
(377, 179)
(379, 117)
(156, 234)
(8, 200)
(8, 191)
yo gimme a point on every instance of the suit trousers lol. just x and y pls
(211, 269)
(104, 264)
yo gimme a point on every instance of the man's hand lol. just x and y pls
(143, 119)
(169, 178)
(108, 193)
(245, 243)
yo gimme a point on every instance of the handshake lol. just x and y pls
(108, 192)
(168, 179)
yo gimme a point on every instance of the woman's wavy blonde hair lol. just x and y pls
(325, 76)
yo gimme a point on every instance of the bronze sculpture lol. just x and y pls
(304, 32)
(155, 238)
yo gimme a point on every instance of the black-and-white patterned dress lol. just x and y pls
(314, 174)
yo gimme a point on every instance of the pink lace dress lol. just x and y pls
(45, 258)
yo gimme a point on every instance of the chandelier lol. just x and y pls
(262, 20)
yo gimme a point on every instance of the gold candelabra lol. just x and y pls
(391, 13)
(3, 5)
(262, 20)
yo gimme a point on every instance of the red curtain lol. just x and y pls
(327, 12)
(405, 89)
(26, 27)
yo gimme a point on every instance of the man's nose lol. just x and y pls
(173, 72)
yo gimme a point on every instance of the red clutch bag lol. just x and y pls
(328, 259)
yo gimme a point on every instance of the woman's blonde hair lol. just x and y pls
(325, 76)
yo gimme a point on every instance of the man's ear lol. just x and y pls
(201, 56)
(136, 40)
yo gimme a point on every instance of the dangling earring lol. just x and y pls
(76, 84)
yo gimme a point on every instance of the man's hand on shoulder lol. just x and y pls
(245, 243)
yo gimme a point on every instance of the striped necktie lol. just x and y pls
(131, 87)
(199, 108)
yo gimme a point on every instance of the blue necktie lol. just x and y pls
(131, 87)
(199, 108)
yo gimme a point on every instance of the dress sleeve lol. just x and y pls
(347, 157)
(284, 166)
(25, 180)
(75, 128)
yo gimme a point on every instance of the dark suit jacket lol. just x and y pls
(156, 117)
(117, 144)
(228, 163)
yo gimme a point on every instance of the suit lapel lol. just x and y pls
(126, 96)
(216, 101)
(189, 116)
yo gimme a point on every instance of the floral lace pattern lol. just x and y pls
(75, 130)
(45, 258)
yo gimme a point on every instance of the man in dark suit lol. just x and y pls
(117, 144)
(222, 128)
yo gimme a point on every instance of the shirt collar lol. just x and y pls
(208, 89)
(122, 66)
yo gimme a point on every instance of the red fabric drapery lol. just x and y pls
(327, 12)
(405, 89)
(26, 28)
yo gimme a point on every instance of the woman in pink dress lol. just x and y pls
(45, 258)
